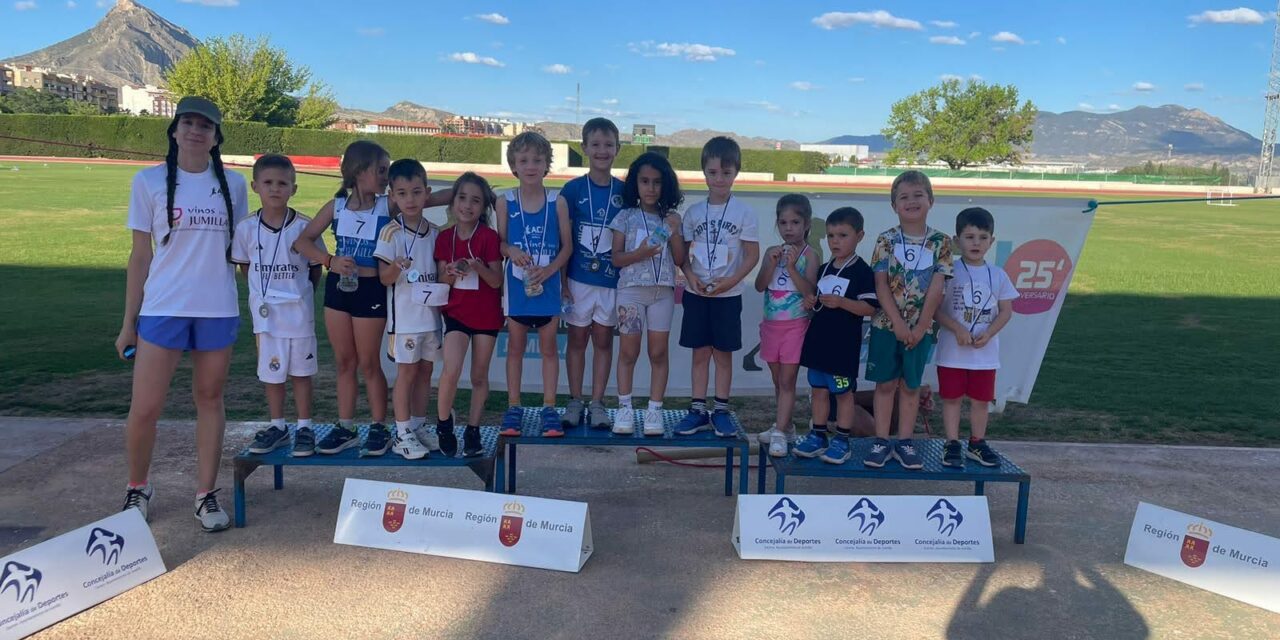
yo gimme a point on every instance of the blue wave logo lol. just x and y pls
(108, 543)
(947, 515)
(790, 516)
(867, 515)
(22, 579)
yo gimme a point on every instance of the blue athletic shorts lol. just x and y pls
(189, 334)
(835, 384)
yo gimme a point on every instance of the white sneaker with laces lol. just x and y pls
(765, 438)
(653, 423)
(409, 447)
(778, 445)
(139, 499)
(624, 421)
(210, 514)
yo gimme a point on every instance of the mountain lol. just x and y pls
(697, 137)
(876, 143)
(130, 45)
(404, 111)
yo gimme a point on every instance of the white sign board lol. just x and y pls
(58, 578)
(1233, 562)
(473, 525)
(863, 528)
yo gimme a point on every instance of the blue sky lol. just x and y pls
(799, 70)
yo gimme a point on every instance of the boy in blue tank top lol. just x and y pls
(593, 201)
(534, 228)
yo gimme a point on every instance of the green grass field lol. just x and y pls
(1170, 333)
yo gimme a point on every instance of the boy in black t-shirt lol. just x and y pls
(846, 294)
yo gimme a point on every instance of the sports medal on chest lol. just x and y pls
(413, 275)
(267, 269)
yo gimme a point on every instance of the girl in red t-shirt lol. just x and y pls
(470, 263)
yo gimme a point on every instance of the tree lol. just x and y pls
(27, 100)
(248, 80)
(316, 110)
(960, 125)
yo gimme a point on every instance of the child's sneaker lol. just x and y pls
(471, 445)
(139, 499)
(210, 514)
(653, 424)
(878, 454)
(378, 441)
(446, 438)
(269, 439)
(598, 416)
(574, 414)
(984, 454)
(778, 446)
(338, 439)
(511, 422)
(624, 421)
(552, 426)
(907, 456)
(693, 422)
(812, 446)
(838, 451)
(765, 437)
(409, 447)
(722, 422)
(304, 443)
(952, 456)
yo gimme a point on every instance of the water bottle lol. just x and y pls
(659, 236)
(532, 290)
(348, 283)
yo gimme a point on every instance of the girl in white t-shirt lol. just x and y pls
(180, 295)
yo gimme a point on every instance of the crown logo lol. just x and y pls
(513, 509)
(398, 495)
(1199, 530)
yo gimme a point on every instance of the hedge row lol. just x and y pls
(136, 138)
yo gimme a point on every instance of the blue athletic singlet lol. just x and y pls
(537, 233)
(591, 209)
(357, 231)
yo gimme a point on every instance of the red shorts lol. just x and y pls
(978, 384)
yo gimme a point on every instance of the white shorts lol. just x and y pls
(592, 303)
(408, 348)
(649, 307)
(282, 358)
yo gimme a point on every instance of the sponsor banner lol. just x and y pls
(58, 578)
(863, 528)
(473, 525)
(1226, 560)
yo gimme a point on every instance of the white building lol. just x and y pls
(839, 153)
(152, 99)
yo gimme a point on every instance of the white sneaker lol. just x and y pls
(210, 514)
(778, 445)
(139, 499)
(653, 423)
(624, 421)
(765, 438)
(409, 447)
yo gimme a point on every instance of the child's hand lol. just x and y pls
(792, 257)
(902, 333)
(963, 338)
(566, 294)
(773, 255)
(403, 263)
(831, 301)
(692, 283)
(534, 275)
(917, 334)
(810, 302)
(128, 337)
(343, 265)
(673, 220)
(519, 257)
(981, 341)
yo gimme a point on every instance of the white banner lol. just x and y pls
(863, 528)
(1236, 563)
(473, 525)
(58, 578)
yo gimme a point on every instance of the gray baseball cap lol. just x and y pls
(201, 106)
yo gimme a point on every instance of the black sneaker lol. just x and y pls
(448, 441)
(139, 499)
(338, 439)
(952, 454)
(471, 445)
(269, 439)
(304, 442)
(378, 441)
(984, 454)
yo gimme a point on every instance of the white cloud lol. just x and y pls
(950, 40)
(1241, 15)
(1085, 106)
(1193, 86)
(943, 24)
(493, 18)
(371, 32)
(471, 58)
(974, 34)
(610, 101)
(803, 85)
(212, 3)
(1114, 107)
(71, 4)
(102, 4)
(1007, 37)
(973, 77)
(879, 18)
(1143, 87)
(857, 79)
(24, 5)
(689, 51)
(766, 105)
(558, 69)
(1062, 40)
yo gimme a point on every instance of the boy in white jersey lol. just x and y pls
(407, 266)
(281, 295)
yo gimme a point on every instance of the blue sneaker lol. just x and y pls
(905, 452)
(511, 422)
(838, 451)
(693, 422)
(812, 446)
(377, 441)
(722, 422)
(878, 454)
(551, 427)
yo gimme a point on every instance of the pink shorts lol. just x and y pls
(978, 384)
(781, 340)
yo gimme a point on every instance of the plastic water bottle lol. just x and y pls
(348, 283)
(659, 236)
(566, 306)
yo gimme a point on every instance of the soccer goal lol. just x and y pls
(1219, 198)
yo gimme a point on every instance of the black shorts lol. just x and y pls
(451, 325)
(533, 322)
(711, 322)
(369, 300)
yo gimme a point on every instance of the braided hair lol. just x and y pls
(171, 181)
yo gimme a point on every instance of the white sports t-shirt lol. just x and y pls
(189, 276)
(408, 301)
(278, 275)
(715, 234)
(972, 298)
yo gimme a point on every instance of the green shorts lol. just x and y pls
(889, 360)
